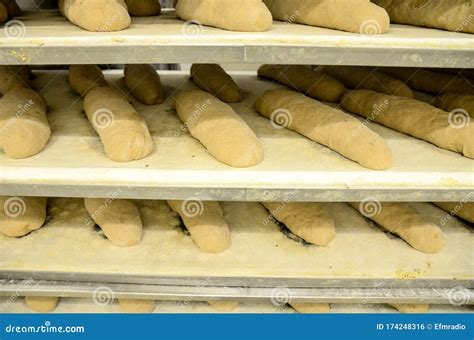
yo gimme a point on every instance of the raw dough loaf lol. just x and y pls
(119, 220)
(451, 15)
(464, 210)
(412, 117)
(453, 101)
(136, 306)
(357, 16)
(20, 216)
(143, 8)
(222, 131)
(310, 308)
(242, 15)
(356, 78)
(145, 84)
(223, 306)
(84, 78)
(206, 224)
(405, 221)
(213, 79)
(326, 125)
(429, 81)
(96, 15)
(42, 304)
(309, 221)
(303, 79)
(24, 127)
(14, 78)
(123, 132)
(411, 308)
(3, 13)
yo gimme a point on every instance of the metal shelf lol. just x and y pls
(47, 38)
(295, 168)
(261, 255)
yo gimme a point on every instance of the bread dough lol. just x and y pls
(453, 101)
(24, 127)
(136, 306)
(356, 78)
(242, 15)
(223, 132)
(12, 8)
(411, 308)
(305, 80)
(205, 222)
(429, 81)
(405, 221)
(143, 8)
(13, 78)
(309, 221)
(119, 220)
(357, 16)
(42, 304)
(3, 14)
(451, 15)
(326, 125)
(96, 15)
(310, 308)
(213, 79)
(123, 132)
(464, 210)
(20, 216)
(223, 306)
(84, 78)
(413, 117)
(145, 84)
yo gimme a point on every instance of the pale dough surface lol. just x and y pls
(42, 304)
(411, 308)
(310, 308)
(223, 306)
(20, 216)
(213, 78)
(136, 306)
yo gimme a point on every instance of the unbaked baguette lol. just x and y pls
(13, 78)
(223, 306)
(206, 224)
(242, 15)
(303, 79)
(405, 221)
(12, 8)
(357, 78)
(452, 101)
(309, 221)
(42, 304)
(84, 78)
(413, 117)
(145, 84)
(20, 216)
(451, 15)
(222, 131)
(464, 210)
(310, 308)
(143, 8)
(326, 125)
(136, 306)
(213, 79)
(119, 220)
(357, 16)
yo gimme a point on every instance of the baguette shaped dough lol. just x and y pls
(136, 306)
(411, 308)
(13, 78)
(145, 84)
(213, 78)
(357, 16)
(206, 224)
(303, 79)
(84, 78)
(96, 15)
(143, 8)
(356, 78)
(223, 306)
(20, 216)
(464, 210)
(222, 131)
(310, 308)
(42, 304)
(309, 221)
(412, 117)
(405, 221)
(24, 127)
(431, 82)
(242, 15)
(451, 15)
(119, 220)
(123, 132)
(453, 101)
(326, 125)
